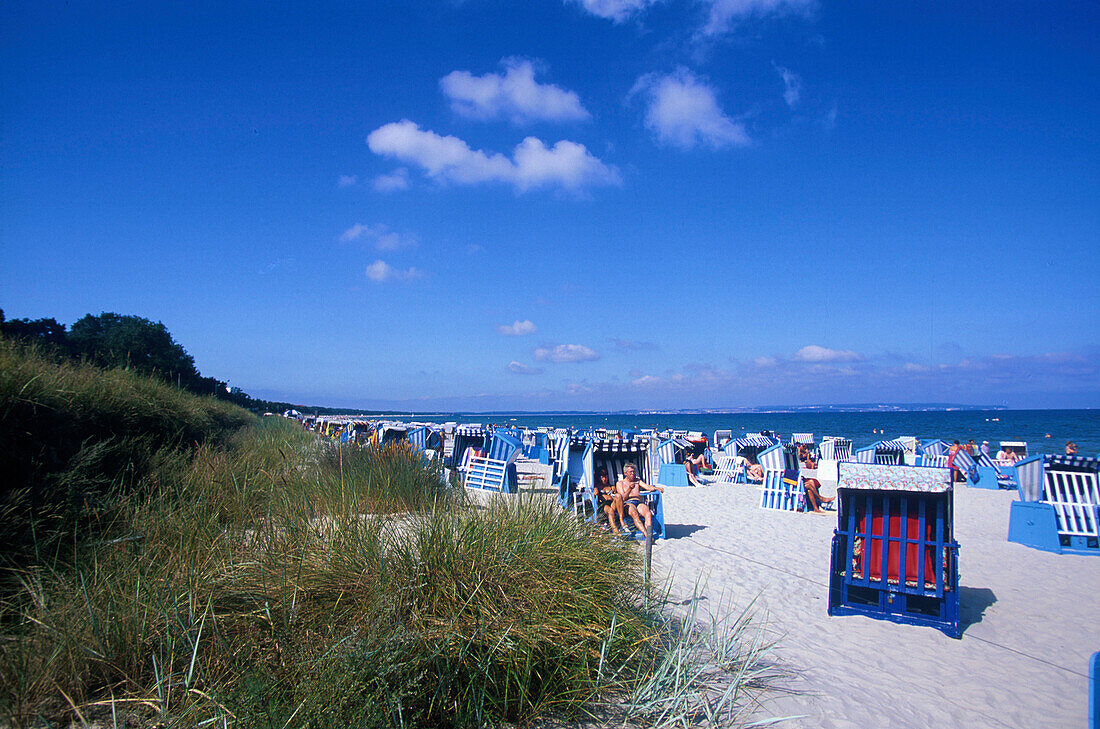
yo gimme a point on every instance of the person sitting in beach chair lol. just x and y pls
(754, 472)
(694, 466)
(609, 501)
(630, 488)
(813, 487)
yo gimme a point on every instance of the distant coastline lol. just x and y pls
(756, 410)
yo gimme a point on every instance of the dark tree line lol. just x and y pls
(133, 342)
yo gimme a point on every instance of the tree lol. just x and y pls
(112, 340)
(48, 331)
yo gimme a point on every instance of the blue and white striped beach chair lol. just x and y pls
(884, 453)
(783, 488)
(991, 475)
(496, 471)
(833, 448)
(1059, 506)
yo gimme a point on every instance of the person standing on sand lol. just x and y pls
(630, 488)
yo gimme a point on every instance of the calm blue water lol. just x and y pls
(1032, 426)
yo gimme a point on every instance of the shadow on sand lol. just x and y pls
(973, 602)
(679, 531)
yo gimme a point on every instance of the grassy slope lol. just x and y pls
(244, 571)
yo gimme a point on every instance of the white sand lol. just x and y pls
(1030, 619)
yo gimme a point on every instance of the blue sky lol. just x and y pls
(578, 204)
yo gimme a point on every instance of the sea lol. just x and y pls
(1045, 431)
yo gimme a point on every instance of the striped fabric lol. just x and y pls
(773, 459)
(754, 441)
(418, 438)
(619, 445)
(470, 431)
(836, 449)
(1083, 462)
(891, 445)
(964, 462)
(802, 438)
(504, 446)
(667, 452)
(1029, 478)
(934, 448)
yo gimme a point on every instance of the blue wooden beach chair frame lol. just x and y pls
(671, 473)
(783, 488)
(466, 436)
(496, 470)
(883, 453)
(903, 499)
(1058, 509)
(992, 475)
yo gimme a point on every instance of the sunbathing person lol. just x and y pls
(609, 501)
(693, 465)
(630, 488)
(812, 485)
(754, 472)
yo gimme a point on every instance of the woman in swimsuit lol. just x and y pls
(608, 499)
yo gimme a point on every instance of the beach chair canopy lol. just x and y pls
(878, 477)
(802, 438)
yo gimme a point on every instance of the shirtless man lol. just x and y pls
(630, 487)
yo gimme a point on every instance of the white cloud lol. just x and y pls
(814, 353)
(646, 381)
(723, 13)
(683, 111)
(630, 344)
(383, 238)
(565, 353)
(396, 180)
(514, 95)
(518, 328)
(566, 164)
(521, 369)
(616, 10)
(792, 84)
(347, 180)
(765, 361)
(381, 272)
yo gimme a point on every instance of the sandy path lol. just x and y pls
(1031, 619)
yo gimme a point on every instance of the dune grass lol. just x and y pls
(260, 576)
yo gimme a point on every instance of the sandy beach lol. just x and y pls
(1030, 619)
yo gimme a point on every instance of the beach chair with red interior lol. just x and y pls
(894, 555)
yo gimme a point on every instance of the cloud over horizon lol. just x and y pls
(382, 237)
(615, 10)
(568, 165)
(521, 369)
(722, 14)
(815, 353)
(381, 272)
(565, 353)
(682, 111)
(515, 95)
(517, 328)
(792, 86)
